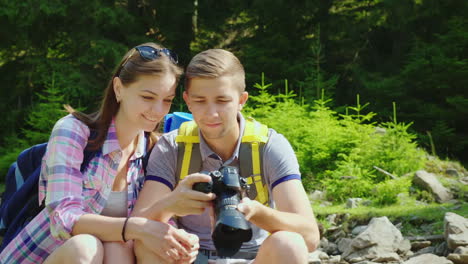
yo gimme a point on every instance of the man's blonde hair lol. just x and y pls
(216, 63)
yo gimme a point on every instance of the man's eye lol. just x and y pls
(147, 97)
(168, 101)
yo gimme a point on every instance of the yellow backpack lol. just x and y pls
(250, 156)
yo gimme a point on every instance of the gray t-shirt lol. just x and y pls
(279, 164)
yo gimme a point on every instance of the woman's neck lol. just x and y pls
(126, 136)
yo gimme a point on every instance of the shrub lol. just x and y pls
(346, 155)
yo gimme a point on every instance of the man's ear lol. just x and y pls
(117, 85)
(243, 99)
(186, 99)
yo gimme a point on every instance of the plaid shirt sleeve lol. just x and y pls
(61, 178)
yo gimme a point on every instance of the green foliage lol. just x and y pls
(44, 114)
(342, 154)
(388, 191)
(40, 121)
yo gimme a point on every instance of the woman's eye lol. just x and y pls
(147, 97)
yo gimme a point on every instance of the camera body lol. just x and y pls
(231, 227)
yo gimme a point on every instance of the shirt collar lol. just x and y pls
(206, 151)
(111, 143)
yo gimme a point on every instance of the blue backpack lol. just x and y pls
(20, 201)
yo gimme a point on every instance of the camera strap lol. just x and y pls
(250, 155)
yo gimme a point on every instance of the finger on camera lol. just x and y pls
(196, 177)
(201, 196)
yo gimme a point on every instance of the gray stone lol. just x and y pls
(404, 247)
(451, 172)
(358, 230)
(334, 259)
(344, 244)
(442, 249)
(331, 219)
(353, 202)
(388, 257)
(428, 258)
(426, 250)
(459, 255)
(317, 196)
(461, 250)
(380, 240)
(464, 180)
(455, 230)
(429, 182)
(417, 245)
(314, 257)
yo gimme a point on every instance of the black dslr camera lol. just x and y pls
(231, 228)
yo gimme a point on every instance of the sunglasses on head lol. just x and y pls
(149, 53)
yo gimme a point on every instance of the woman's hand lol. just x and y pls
(163, 239)
(185, 201)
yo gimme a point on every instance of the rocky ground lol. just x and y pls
(380, 241)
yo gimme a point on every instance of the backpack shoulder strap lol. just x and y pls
(188, 156)
(250, 159)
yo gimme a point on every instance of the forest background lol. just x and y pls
(313, 66)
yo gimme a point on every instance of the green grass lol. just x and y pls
(416, 219)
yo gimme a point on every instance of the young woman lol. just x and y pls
(85, 219)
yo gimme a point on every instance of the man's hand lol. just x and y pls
(185, 201)
(248, 207)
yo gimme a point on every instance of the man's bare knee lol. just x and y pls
(283, 247)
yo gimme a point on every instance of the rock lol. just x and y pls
(334, 259)
(428, 258)
(353, 202)
(404, 247)
(459, 256)
(415, 246)
(358, 230)
(325, 204)
(314, 257)
(317, 196)
(451, 172)
(429, 182)
(331, 219)
(442, 249)
(464, 180)
(379, 240)
(388, 257)
(344, 244)
(426, 250)
(455, 230)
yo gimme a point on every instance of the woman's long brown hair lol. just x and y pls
(130, 68)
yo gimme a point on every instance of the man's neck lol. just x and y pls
(224, 147)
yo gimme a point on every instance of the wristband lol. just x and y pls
(123, 229)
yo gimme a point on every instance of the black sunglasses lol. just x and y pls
(149, 53)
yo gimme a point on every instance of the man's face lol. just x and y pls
(214, 104)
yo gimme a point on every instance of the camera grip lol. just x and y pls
(204, 187)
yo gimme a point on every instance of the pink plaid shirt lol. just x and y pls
(68, 193)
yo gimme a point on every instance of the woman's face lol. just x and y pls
(145, 102)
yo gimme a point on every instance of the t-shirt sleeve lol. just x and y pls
(279, 160)
(162, 162)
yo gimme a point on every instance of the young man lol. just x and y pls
(215, 94)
